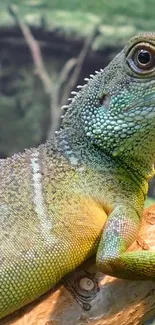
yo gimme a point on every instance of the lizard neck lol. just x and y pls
(78, 151)
(137, 157)
(138, 167)
(75, 147)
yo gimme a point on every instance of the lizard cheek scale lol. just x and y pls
(82, 192)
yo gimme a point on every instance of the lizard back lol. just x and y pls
(46, 230)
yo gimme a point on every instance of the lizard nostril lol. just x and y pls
(105, 100)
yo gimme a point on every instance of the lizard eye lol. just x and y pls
(141, 58)
(144, 58)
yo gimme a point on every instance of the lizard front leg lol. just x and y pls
(112, 255)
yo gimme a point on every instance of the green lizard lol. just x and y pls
(55, 199)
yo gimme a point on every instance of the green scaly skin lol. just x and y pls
(54, 200)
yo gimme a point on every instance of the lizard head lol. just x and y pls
(115, 110)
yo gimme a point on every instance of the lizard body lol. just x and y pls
(55, 199)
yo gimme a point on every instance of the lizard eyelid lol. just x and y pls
(141, 58)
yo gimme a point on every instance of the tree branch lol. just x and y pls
(87, 297)
(40, 69)
(35, 50)
(79, 63)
